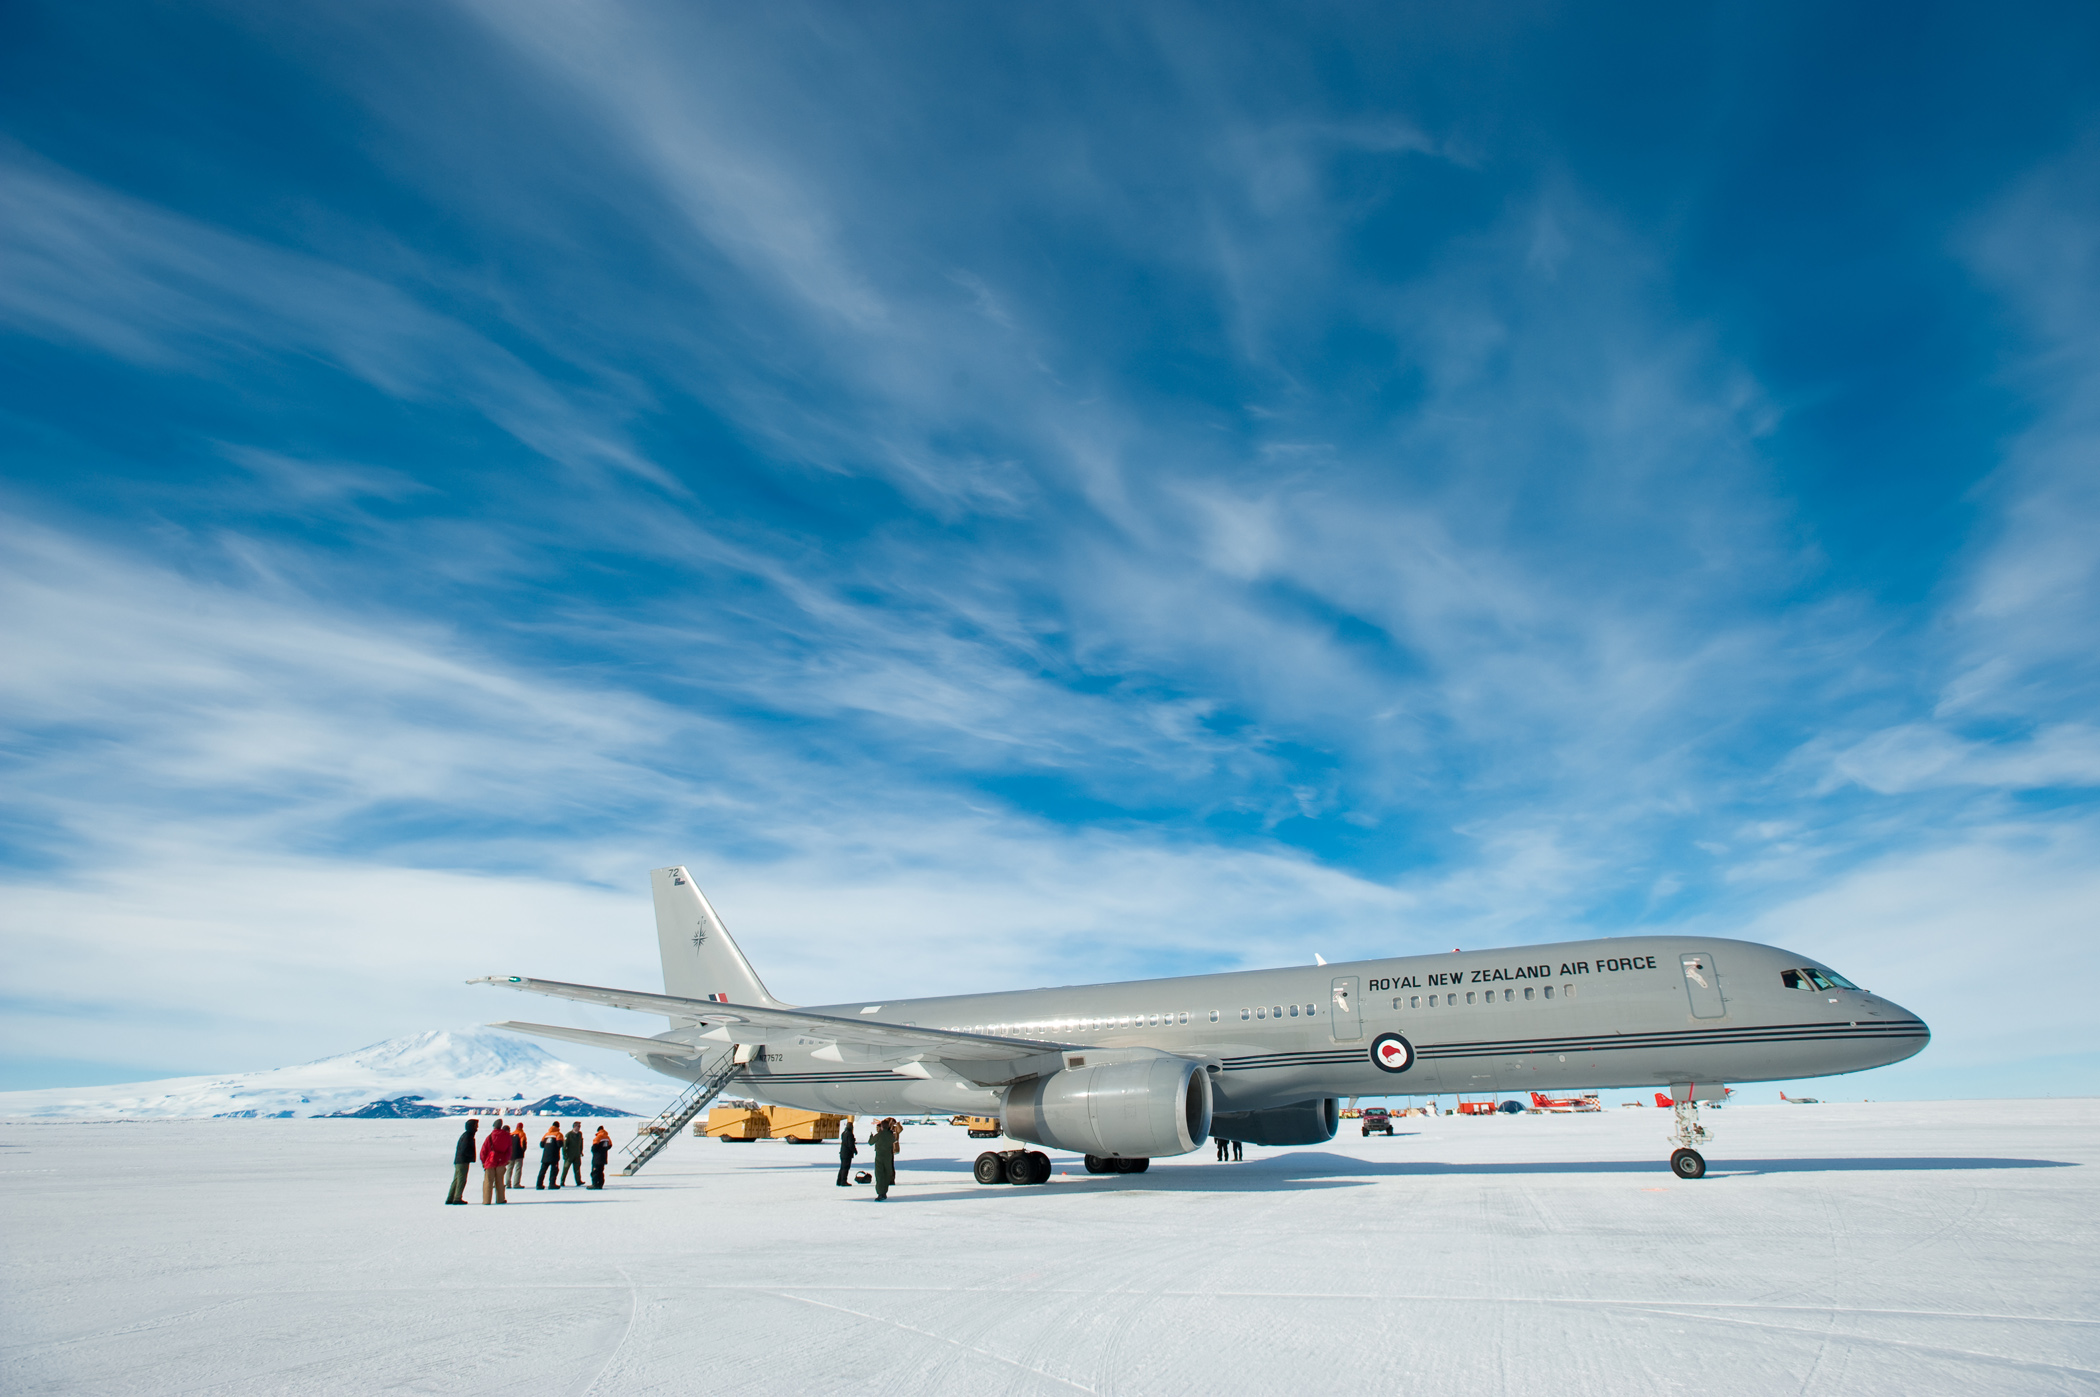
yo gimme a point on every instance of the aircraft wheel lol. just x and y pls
(1132, 1166)
(991, 1168)
(1040, 1172)
(1095, 1164)
(1688, 1164)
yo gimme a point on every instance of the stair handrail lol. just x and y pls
(648, 1143)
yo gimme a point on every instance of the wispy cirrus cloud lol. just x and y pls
(99, 271)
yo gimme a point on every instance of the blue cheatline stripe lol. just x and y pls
(1547, 1045)
(1900, 1025)
(1657, 1047)
(1674, 1037)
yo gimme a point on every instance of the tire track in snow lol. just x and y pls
(634, 1305)
(1912, 1345)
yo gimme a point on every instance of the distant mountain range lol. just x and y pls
(441, 1072)
(402, 1108)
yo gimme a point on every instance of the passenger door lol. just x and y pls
(1348, 1015)
(1702, 985)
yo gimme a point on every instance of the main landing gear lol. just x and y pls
(1685, 1161)
(1110, 1164)
(1012, 1167)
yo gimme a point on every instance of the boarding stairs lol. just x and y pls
(660, 1132)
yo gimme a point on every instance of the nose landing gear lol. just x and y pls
(1685, 1161)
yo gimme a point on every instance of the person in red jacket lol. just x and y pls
(495, 1163)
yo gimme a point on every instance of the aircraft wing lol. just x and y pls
(888, 1039)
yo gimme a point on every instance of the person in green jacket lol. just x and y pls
(462, 1160)
(884, 1141)
(572, 1155)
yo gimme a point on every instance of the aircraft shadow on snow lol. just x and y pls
(1322, 1165)
(1323, 1170)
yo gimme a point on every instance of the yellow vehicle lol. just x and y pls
(747, 1121)
(980, 1127)
(803, 1127)
(739, 1122)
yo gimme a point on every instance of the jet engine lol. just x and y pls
(1306, 1123)
(1129, 1108)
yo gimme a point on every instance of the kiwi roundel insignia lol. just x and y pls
(1392, 1053)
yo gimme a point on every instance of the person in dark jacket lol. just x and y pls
(885, 1142)
(1223, 1148)
(495, 1164)
(550, 1158)
(1236, 1146)
(572, 1154)
(462, 1161)
(601, 1146)
(519, 1144)
(848, 1148)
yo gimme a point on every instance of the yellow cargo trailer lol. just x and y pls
(739, 1122)
(749, 1121)
(804, 1127)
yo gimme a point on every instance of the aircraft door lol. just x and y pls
(1702, 983)
(1348, 1015)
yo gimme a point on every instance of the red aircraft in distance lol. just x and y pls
(1662, 1098)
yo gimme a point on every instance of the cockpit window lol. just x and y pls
(1812, 979)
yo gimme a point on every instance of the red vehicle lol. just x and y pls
(1377, 1118)
(1565, 1103)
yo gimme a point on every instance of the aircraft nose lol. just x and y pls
(1907, 1033)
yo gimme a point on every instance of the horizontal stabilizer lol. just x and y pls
(618, 1042)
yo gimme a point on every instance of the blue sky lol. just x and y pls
(1027, 495)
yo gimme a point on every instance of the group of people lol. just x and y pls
(502, 1158)
(884, 1143)
(1227, 1149)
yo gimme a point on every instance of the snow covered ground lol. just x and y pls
(475, 1065)
(1898, 1248)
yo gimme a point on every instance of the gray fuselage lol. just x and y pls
(1614, 1012)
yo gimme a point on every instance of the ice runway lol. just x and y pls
(1900, 1248)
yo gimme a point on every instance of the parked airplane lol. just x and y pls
(1127, 1073)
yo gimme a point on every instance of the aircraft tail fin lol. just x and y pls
(700, 959)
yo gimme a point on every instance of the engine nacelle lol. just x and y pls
(1306, 1123)
(1132, 1108)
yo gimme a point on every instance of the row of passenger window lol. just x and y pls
(1274, 1011)
(1112, 1022)
(1416, 1001)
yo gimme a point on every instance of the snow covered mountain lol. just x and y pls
(468, 1066)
